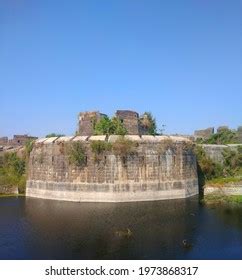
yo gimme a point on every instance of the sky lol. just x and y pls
(179, 59)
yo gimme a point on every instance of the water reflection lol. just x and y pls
(45, 229)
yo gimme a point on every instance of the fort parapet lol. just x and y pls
(161, 167)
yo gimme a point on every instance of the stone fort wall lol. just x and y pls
(215, 152)
(161, 168)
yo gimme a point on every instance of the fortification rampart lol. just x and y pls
(160, 168)
(215, 152)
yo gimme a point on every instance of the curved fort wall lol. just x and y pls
(161, 168)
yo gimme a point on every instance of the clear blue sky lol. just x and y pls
(180, 59)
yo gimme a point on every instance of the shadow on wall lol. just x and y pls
(201, 181)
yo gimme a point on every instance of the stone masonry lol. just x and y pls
(134, 124)
(130, 121)
(161, 168)
(87, 122)
(18, 140)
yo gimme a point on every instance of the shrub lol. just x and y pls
(232, 160)
(99, 148)
(28, 148)
(149, 122)
(76, 153)
(14, 163)
(207, 166)
(225, 136)
(188, 146)
(124, 147)
(12, 171)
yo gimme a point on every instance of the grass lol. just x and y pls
(222, 199)
(11, 195)
(223, 181)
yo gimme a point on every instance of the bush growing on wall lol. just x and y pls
(99, 148)
(123, 148)
(207, 166)
(76, 153)
(188, 146)
(28, 148)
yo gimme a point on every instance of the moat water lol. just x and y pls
(45, 229)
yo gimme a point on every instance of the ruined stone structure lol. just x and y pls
(207, 133)
(87, 122)
(3, 141)
(161, 168)
(18, 140)
(215, 152)
(21, 140)
(134, 124)
(204, 133)
(130, 121)
(222, 128)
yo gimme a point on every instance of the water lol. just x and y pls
(44, 229)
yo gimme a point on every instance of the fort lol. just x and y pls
(159, 168)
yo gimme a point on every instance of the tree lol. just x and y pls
(103, 126)
(106, 126)
(149, 122)
(118, 127)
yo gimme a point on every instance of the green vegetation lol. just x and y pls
(223, 137)
(123, 148)
(224, 180)
(207, 167)
(54, 135)
(233, 161)
(188, 146)
(99, 148)
(12, 171)
(222, 199)
(77, 154)
(230, 171)
(149, 122)
(28, 148)
(12, 195)
(107, 126)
